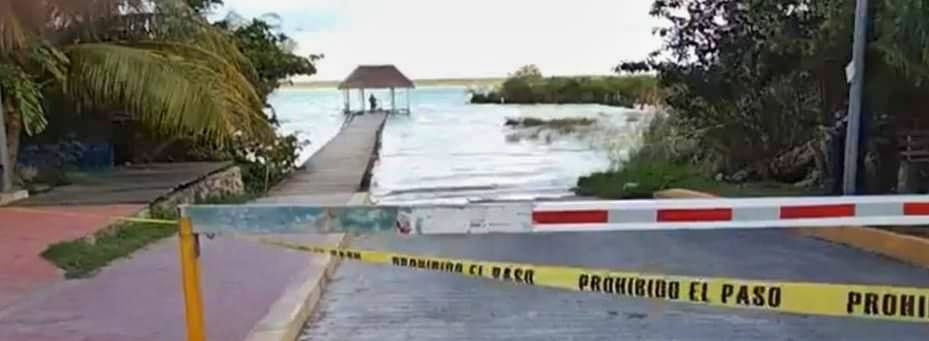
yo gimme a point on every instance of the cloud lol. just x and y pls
(444, 38)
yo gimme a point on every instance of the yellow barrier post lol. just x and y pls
(190, 272)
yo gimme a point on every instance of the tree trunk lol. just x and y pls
(14, 127)
(886, 172)
(794, 165)
(913, 178)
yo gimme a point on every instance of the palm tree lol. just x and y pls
(153, 59)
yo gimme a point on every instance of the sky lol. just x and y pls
(463, 38)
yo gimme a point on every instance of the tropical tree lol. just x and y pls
(530, 71)
(269, 50)
(755, 80)
(156, 60)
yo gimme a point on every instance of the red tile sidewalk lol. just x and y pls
(140, 298)
(26, 232)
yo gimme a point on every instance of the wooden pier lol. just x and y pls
(337, 171)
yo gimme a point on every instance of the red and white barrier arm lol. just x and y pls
(540, 217)
(717, 213)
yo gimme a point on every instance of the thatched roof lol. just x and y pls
(376, 77)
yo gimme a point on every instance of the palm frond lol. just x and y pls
(239, 89)
(43, 58)
(23, 95)
(217, 63)
(169, 91)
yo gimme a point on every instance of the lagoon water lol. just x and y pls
(449, 151)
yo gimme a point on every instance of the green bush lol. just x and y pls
(666, 159)
(529, 86)
(265, 164)
(484, 97)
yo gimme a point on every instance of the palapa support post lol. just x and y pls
(348, 100)
(393, 101)
(363, 105)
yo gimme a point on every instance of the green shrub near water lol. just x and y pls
(670, 158)
(528, 86)
(266, 164)
(662, 162)
(644, 174)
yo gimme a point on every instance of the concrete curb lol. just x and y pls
(908, 249)
(11, 197)
(288, 315)
(286, 318)
(680, 193)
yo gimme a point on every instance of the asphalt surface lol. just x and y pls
(369, 302)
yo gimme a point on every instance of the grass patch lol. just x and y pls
(83, 257)
(667, 159)
(636, 180)
(559, 124)
(642, 183)
(641, 177)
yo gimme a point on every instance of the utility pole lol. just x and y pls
(855, 97)
(6, 182)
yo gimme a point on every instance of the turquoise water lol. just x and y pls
(449, 151)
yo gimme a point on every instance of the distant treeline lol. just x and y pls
(527, 86)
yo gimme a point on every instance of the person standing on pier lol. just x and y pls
(373, 102)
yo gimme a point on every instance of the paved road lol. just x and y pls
(367, 302)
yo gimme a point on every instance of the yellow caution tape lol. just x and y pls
(843, 300)
(147, 220)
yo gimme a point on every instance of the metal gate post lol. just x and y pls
(190, 279)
